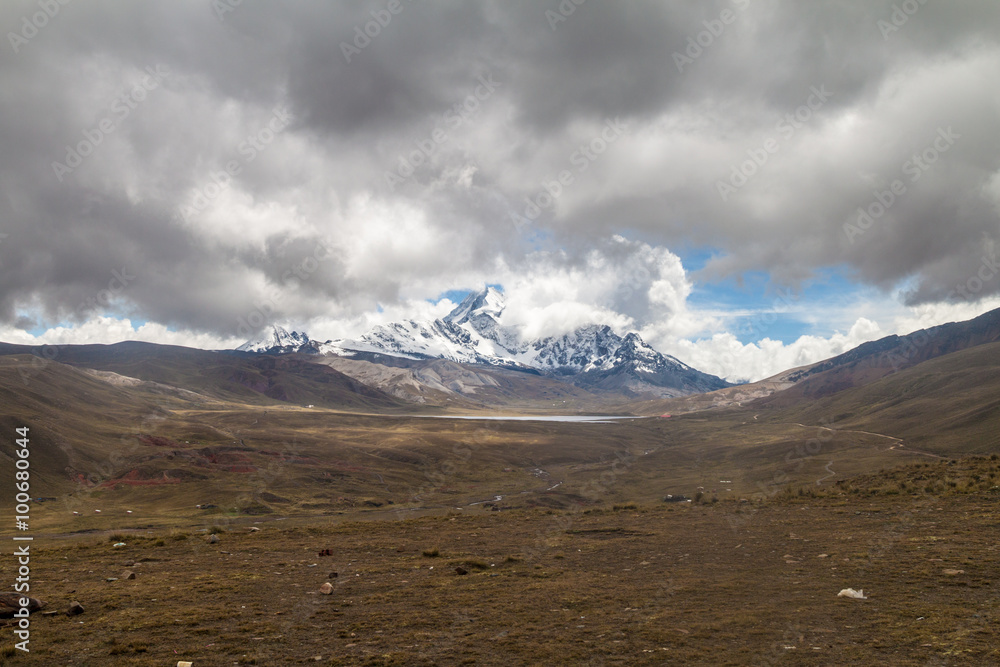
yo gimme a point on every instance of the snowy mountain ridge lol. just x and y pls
(276, 339)
(473, 333)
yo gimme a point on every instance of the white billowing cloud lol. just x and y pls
(625, 284)
(395, 242)
(933, 314)
(724, 355)
(628, 285)
(233, 218)
(106, 330)
(353, 326)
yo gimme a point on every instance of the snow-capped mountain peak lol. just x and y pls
(635, 353)
(275, 338)
(593, 355)
(490, 302)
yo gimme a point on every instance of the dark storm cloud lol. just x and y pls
(697, 84)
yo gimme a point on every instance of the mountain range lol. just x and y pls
(593, 357)
(936, 388)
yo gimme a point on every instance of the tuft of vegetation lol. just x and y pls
(472, 564)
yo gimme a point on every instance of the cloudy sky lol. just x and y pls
(750, 184)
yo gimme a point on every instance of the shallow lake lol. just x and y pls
(591, 419)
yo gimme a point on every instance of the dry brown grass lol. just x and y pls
(723, 583)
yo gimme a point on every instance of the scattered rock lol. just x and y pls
(325, 552)
(213, 539)
(185, 663)
(128, 574)
(111, 579)
(461, 570)
(10, 603)
(254, 529)
(326, 589)
(851, 593)
(75, 609)
(823, 556)
(333, 575)
(118, 544)
(952, 573)
(129, 563)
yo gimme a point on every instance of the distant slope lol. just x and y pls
(226, 375)
(466, 386)
(947, 405)
(76, 421)
(864, 364)
(872, 361)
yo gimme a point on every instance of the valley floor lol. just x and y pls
(727, 583)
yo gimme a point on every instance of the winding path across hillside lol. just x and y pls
(895, 447)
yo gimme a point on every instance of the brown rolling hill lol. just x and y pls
(233, 377)
(77, 421)
(872, 361)
(721, 398)
(864, 364)
(949, 405)
(468, 387)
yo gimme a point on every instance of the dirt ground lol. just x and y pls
(724, 583)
